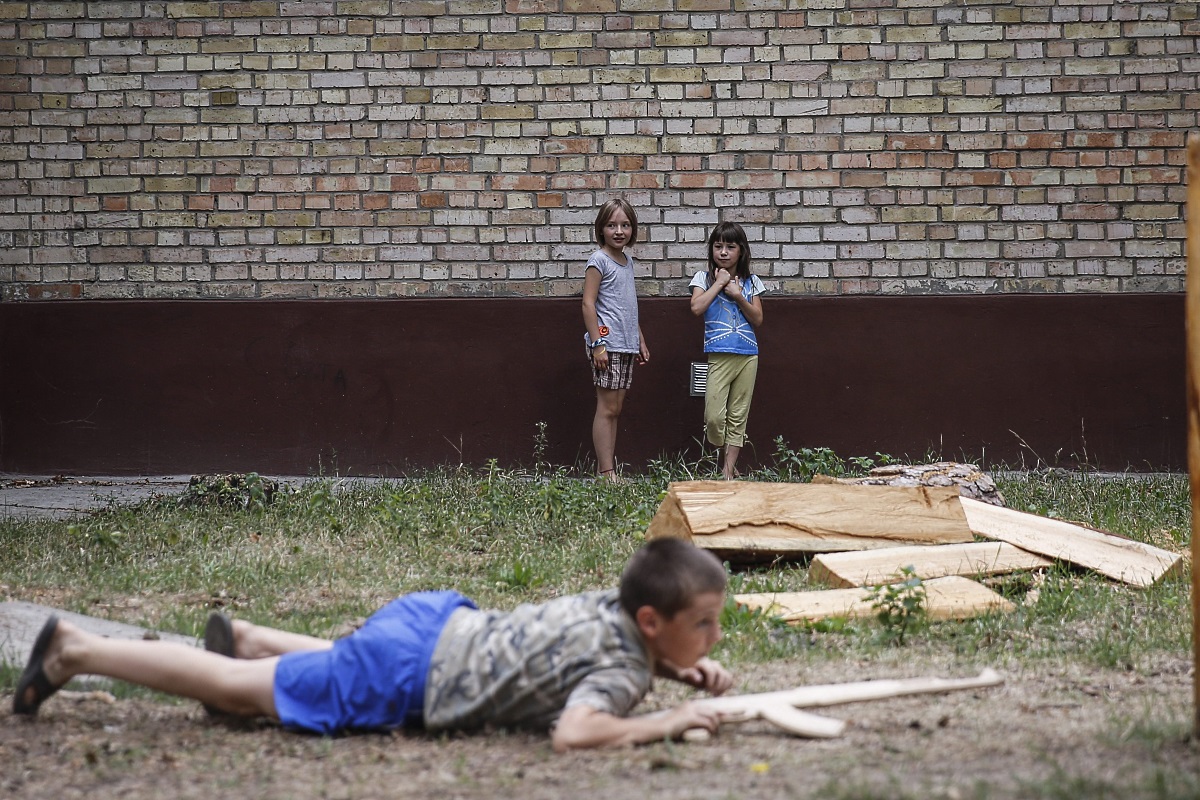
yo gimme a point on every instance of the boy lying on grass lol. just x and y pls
(576, 665)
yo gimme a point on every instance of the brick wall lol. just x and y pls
(460, 147)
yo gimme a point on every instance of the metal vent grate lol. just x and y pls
(699, 379)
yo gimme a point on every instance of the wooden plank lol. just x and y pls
(808, 518)
(1116, 557)
(1192, 329)
(952, 597)
(972, 560)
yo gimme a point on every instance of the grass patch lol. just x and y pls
(334, 551)
(319, 558)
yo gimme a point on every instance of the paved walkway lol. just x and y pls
(60, 497)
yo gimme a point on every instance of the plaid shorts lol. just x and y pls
(619, 374)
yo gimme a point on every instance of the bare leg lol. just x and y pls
(258, 641)
(239, 687)
(604, 429)
(728, 468)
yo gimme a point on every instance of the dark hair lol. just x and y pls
(605, 214)
(667, 574)
(730, 232)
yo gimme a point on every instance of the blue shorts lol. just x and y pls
(373, 679)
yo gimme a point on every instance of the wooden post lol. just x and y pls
(1193, 399)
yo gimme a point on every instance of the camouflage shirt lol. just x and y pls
(521, 668)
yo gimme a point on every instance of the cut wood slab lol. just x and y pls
(873, 567)
(952, 597)
(807, 518)
(1116, 557)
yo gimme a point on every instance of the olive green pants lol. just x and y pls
(727, 396)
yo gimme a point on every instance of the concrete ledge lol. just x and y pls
(21, 622)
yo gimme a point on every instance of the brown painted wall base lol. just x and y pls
(373, 387)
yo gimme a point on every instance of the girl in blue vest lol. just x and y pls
(727, 296)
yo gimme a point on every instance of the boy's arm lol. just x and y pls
(707, 674)
(581, 727)
(643, 347)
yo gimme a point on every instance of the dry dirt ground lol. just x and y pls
(1052, 730)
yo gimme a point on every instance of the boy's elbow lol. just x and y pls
(580, 728)
(565, 738)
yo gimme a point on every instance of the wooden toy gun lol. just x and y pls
(783, 708)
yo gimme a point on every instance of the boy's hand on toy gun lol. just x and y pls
(690, 718)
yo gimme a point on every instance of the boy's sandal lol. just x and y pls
(218, 638)
(218, 635)
(34, 687)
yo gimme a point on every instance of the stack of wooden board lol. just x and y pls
(861, 536)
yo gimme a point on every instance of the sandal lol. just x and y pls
(218, 638)
(34, 679)
(218, 635)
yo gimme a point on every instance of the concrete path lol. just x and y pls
(63, 497)
(59, 497)
(20, 624)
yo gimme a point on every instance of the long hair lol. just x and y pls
(732, 233)
(605, 214)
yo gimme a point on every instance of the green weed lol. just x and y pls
(900, 605)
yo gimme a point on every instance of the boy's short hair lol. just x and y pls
(605, 214)
(668, 574)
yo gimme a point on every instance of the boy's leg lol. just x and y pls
(238, 687)
(604, 428)
(259, 641)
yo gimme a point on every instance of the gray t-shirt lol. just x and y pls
(616, 304)
(522, 668)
